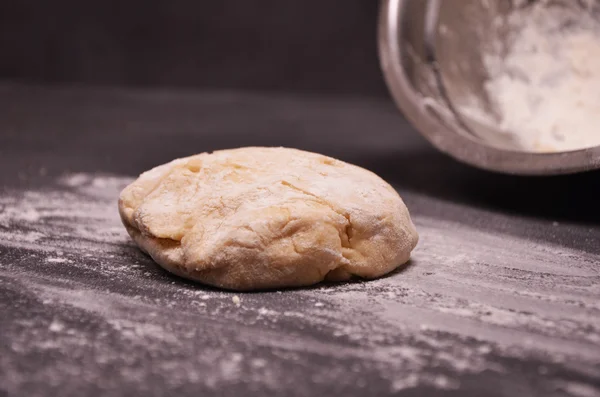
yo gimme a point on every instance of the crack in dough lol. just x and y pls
(347, 231)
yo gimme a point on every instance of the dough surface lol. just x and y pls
(257, 218)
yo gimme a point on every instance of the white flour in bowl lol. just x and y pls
(545, 84)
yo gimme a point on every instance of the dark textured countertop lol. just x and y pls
(501, 298)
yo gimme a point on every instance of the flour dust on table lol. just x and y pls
(470, 307)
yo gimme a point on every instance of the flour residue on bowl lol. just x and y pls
(544, 79)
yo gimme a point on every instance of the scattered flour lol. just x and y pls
(79, 213)
(56, 326)
(258, 362)
(76, 180)
(578, 389)
(411, 329)
(57, 260)
(263, 311)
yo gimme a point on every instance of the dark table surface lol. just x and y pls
(501, 297)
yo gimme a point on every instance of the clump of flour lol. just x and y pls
(544, 80)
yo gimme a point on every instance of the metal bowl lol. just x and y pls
(414, 58)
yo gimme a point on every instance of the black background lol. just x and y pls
(318, 46)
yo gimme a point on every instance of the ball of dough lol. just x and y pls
(257, 218)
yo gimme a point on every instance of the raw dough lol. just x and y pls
(255, 218)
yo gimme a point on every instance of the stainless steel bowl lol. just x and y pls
(414, 59)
